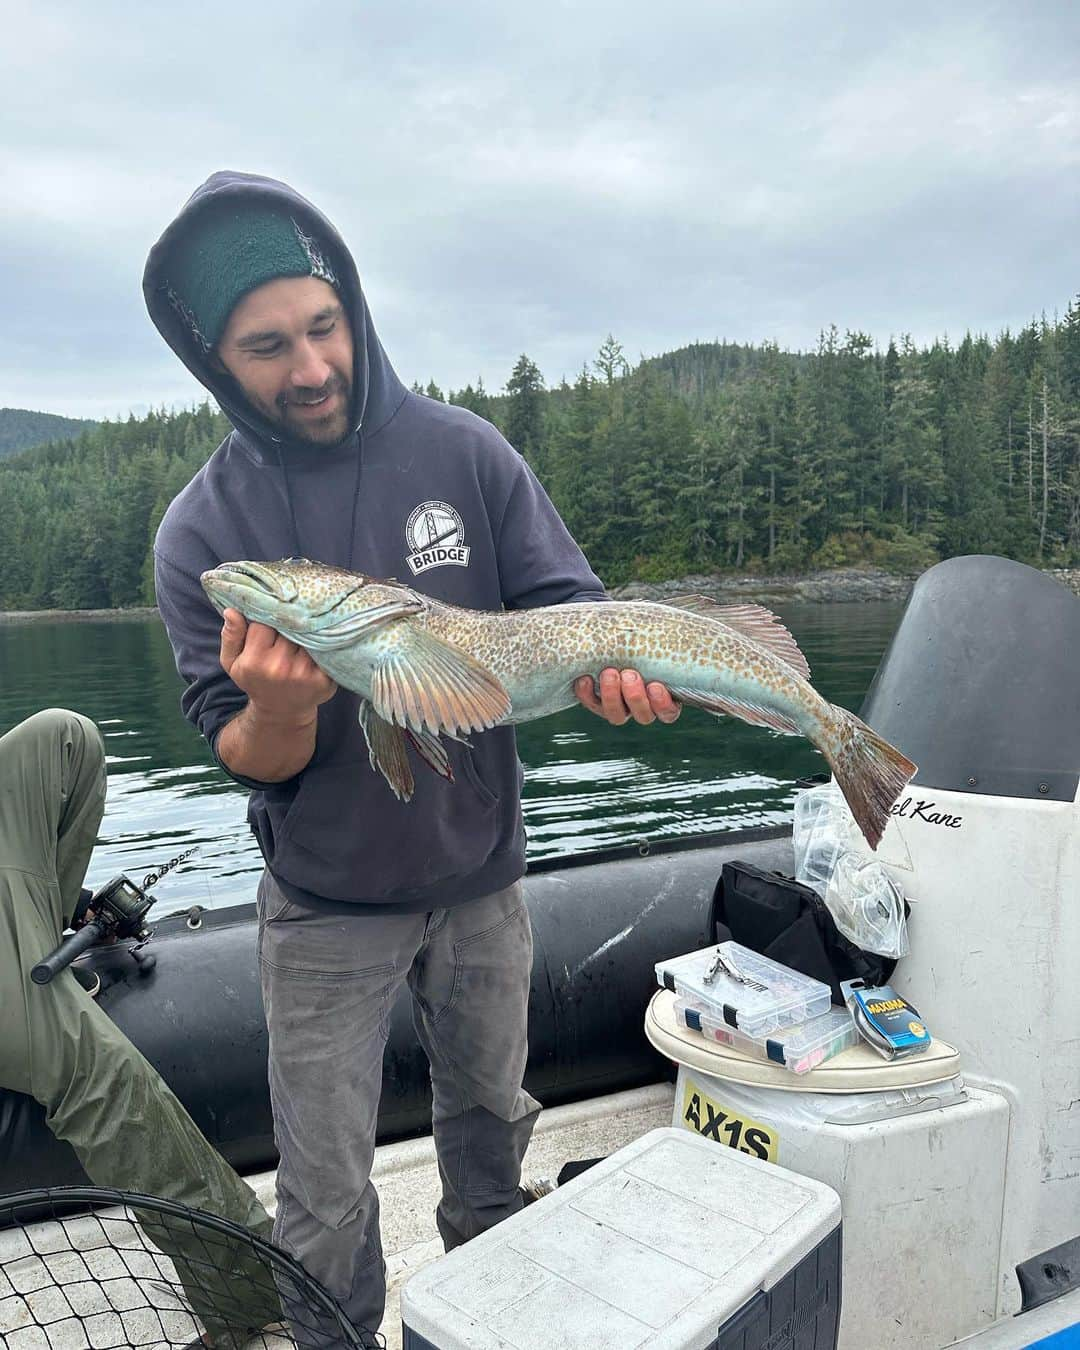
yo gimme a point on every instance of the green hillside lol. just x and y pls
(20, 429)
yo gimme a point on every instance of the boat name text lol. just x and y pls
(910, 809)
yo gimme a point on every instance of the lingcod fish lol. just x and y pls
(425, 669)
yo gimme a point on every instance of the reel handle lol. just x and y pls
(71, 947)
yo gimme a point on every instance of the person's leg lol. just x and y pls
(470, 983)
(126, 1127)
(328, 985)
(52, 798)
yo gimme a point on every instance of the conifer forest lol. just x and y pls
(718, 457)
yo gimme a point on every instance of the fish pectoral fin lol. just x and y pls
(754, 713)
(755, 622)
(431, 751)
(386, 751)
(426, 682)
(353, 626)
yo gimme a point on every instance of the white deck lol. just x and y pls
(407, 1177)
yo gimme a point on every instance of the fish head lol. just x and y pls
(310, 602)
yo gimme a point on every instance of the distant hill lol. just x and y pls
(21, 429)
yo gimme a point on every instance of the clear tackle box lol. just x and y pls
(743, 988)
(800, 1048)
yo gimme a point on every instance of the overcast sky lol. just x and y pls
(528, 177)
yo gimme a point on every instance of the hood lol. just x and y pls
(377, 391)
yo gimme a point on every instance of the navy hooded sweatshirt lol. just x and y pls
(419, 490)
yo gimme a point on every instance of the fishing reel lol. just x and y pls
(119, 909)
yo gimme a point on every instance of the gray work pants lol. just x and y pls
(328, 985)
(127, 1128)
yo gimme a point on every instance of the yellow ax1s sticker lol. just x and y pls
(714, 1121)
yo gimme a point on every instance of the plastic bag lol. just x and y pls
(830, 856)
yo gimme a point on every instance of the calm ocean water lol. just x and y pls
(587, 785)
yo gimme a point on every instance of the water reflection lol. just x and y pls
(587, 785)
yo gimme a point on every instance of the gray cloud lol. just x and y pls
(528, 178)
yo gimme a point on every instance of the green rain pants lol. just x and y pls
(100, 1095)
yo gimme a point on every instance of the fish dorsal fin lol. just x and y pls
(386, 751)
(754, 713)
(755, 622)
(426, 683)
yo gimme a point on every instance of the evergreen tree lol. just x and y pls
(476, 400)
(1070, 352)
(890, 374)
(611, 363)
(913, 469)
(578, 494)
(525, 411)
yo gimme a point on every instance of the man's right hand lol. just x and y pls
(280, 679)
(273, 738)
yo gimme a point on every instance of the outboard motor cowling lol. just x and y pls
(981, 687)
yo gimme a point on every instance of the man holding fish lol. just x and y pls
(332, 458)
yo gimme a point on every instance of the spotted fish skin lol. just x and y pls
(537, 654)
(426, 669)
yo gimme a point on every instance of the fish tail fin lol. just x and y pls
(869, 771)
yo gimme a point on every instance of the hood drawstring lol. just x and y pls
(356, 493)
(298, 552)
(283, 466)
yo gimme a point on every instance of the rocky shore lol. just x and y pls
(840, 586)
(1068, 576)
(75, 615)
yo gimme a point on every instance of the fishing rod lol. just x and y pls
(119, 910)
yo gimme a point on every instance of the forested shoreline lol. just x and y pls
(717, 458)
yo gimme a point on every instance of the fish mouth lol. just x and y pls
(233, 578)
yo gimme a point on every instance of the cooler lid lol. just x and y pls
(653, 1248)
(860, 1069)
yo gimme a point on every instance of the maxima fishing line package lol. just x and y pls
(885, 1020)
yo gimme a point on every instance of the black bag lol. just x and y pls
(790, 923)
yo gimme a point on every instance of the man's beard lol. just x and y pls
(315, 430)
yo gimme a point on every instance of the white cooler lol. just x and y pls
(917, 1159)
(668, 1244)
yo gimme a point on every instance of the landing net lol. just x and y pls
(87, 1268)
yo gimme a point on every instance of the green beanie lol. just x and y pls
(228, 251)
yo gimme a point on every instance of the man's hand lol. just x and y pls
(280, 679)
(624, 694)
(273, 738)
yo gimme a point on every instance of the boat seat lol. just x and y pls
(858, 1069)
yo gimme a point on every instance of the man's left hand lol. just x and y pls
(625, 695)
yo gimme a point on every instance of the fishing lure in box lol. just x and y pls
(798, 1048)
(743, 988)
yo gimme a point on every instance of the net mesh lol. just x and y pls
(87, 1268)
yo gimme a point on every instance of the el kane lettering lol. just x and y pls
(910, 809)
